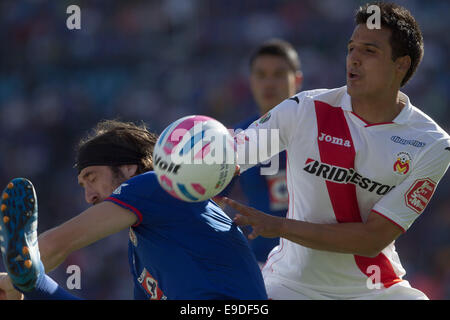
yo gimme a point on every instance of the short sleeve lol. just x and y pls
(408, 200)
(270, 134)
(135, 194)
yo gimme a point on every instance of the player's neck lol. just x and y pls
(378, 109)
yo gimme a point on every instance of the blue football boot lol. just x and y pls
(18, 233)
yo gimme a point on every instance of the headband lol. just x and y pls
(106, 155)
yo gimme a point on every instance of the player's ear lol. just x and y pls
(403, 64)
(129, 170)
(298, 80)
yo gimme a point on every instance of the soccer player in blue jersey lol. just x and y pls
(275, 75)
(177, 250)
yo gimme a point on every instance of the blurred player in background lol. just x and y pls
(363, 163)
(177, 250)
(275, 75)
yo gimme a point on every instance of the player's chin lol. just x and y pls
(355, 89)
(350, 90)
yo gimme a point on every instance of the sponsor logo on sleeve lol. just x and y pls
(265, 117)
(419, 194)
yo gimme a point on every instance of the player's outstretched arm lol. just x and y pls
(365, 239)
(90, 226)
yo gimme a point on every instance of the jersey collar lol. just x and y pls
(401, 118)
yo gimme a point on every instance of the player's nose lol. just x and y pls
(270, 82)
(91, 196)
(353, 59)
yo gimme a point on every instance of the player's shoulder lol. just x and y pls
(330, 96)
(148, 177)
(435, 141)
(143, 183)
(419, 120)
(422, 124)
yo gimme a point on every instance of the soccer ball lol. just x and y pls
(194, 158)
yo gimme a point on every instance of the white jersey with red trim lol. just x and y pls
(339, 169)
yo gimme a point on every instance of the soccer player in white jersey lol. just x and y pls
(362, 165)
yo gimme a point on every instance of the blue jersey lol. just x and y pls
(267, 193)
(181, 250)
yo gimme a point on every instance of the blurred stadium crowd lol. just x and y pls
(159, 60)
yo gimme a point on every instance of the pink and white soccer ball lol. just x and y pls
(194, 158)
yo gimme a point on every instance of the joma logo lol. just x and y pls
(334, 140)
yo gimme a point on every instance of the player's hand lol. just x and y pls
(7, 291)
(218, 199)
(263, 224)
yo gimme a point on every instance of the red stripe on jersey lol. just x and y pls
(332, 131)
(387, 273)
(331, 122)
